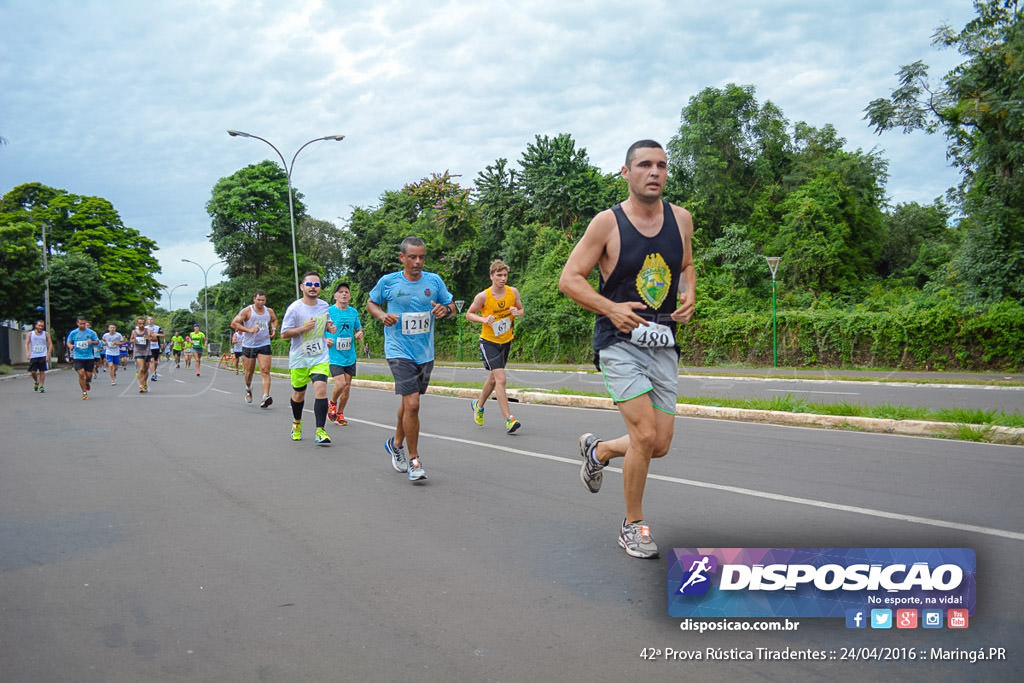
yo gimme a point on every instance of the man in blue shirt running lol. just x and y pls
(80, 343)
(342, 351)
(414, 299)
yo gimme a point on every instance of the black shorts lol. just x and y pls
(494, 355)
(37, 364)
(142, 357)
(346, 369)
(410, 378)
(87, 364)
(238, 354)
(253, 351)
(177, 353)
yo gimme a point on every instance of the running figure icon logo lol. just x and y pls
(696, 581)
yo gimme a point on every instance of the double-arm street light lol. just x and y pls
(170, 305)
(206, 308)
(288, 173)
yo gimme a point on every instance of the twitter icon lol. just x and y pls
(881, 618)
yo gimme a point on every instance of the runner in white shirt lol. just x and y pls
(305, 323)
(39, 349)
(112, 340)
(154, 346)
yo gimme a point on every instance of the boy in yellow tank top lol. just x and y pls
(495, 308)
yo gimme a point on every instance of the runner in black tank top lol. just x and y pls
(647, 271)
(647, 286)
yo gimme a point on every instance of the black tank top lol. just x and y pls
(648, 271)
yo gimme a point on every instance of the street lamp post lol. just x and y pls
(773, 265)
(170, 305)
(46, 278)
(288, 173)
(459, 303)
(206, 293)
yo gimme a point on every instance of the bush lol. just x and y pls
(934, 335)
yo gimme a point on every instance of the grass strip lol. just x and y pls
(970, 418)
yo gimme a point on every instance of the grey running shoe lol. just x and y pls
(416, 472)
(267, 400)
(248, 395)
(397, 453)
(590, 472)
(636, 540)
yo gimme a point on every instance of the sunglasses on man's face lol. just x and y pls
(311, 284)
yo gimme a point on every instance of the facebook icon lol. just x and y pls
(855, 618)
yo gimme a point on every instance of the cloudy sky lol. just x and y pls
(131, 100)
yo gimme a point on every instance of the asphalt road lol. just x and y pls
(180, 536)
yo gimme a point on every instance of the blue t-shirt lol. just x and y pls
(79, 340)
(412, 337)
(343, 352)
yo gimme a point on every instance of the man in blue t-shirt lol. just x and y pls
(342, 351)
(80, 344)
(414, 299)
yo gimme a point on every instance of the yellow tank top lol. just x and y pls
(500, 331)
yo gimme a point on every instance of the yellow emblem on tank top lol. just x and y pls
(654, 281)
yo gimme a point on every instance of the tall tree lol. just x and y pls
(90, 227)
(21, 284)
(561, 186)
(437, 210)
(77, 288)
(501, 205)
(919, 242)
(250, 221)
(320, 242)
(978, 109)
(373, 235)
(728, 150)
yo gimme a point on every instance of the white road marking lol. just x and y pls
(753, 493)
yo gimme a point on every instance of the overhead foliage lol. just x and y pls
(251, 226)
(89, 227)
(978, 107)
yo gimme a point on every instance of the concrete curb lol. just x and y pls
(1012, 436)
(995, 434)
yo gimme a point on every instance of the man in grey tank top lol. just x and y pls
(258, 324)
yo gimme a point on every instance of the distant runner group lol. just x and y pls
(642, 249)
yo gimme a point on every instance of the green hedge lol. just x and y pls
(944, 336)
(934, 336)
